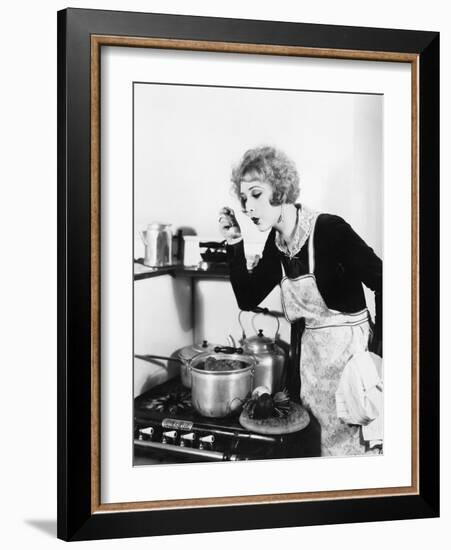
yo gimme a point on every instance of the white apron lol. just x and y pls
(330, 339)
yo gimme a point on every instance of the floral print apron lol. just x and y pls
(330, 339)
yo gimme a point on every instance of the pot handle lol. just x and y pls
(228, 349)
(162, 357)
(276, 335)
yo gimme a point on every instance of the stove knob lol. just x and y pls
(169, 437)
(187, 440)
(145, 433)
(206, 442)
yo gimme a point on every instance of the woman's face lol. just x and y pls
(255, 195)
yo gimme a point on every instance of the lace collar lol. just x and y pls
(302, 231)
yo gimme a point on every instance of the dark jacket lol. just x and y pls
(343, 261)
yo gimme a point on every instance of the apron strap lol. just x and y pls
(311, 250)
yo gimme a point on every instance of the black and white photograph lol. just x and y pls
(244, 338)
(258, 219)
(226, 274)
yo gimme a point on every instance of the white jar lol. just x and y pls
(191, 251)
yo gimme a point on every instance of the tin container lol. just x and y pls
(157, 239)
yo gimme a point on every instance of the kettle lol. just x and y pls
(157, 239)
(270, 370)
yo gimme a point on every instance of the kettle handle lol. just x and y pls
(263, 313)
(241, 325)
(256, 310)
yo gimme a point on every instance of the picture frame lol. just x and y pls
(81, 36)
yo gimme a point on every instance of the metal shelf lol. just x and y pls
(213, 271)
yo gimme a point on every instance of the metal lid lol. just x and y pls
(188, 352)
(259, 343)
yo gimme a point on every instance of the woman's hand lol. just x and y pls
(228, 225)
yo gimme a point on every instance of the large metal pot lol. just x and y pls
(186, 354)
(220, 393)
(270, 368)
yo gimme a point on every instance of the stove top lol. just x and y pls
(169, 429)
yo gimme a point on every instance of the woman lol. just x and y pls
(320, 263)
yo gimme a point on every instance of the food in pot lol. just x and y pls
(213, 364)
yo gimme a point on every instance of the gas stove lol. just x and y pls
(169, 429)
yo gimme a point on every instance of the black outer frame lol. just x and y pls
(75, 520)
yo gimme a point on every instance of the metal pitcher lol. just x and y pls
(157, 239)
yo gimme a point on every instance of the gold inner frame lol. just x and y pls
(97, 41)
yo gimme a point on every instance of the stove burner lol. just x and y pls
(177, 401)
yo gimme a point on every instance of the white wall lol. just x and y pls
(187, 138)
(28, 275)
(217, 314)
(160, 331)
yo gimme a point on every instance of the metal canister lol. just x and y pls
(157, 239)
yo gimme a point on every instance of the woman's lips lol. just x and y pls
(256, 220)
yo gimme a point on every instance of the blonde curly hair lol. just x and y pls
(273, 167)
